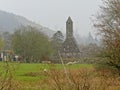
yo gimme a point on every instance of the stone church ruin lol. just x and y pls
(68, 50)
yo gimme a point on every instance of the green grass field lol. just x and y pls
(22, 70)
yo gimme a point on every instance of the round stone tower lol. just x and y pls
(69, 28)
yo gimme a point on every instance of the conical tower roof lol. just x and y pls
(69, 20)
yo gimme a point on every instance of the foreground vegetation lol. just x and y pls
(108, 27)
(23, 76)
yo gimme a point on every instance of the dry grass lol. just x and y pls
(7, 81)
(82, 79)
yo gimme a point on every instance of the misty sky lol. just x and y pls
(53, 13)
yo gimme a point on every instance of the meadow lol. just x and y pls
(22, 70)
(32, 76)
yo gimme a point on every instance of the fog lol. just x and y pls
(54, 13)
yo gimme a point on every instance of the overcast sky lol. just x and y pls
(54, 13)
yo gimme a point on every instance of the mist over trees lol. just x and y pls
(57, 40)
(108, 26)
(7, 40)
(1, 44)
(30, 44)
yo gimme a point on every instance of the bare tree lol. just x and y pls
(108, 25)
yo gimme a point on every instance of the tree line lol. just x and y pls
(28, 43)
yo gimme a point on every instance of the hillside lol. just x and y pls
(9, 22)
